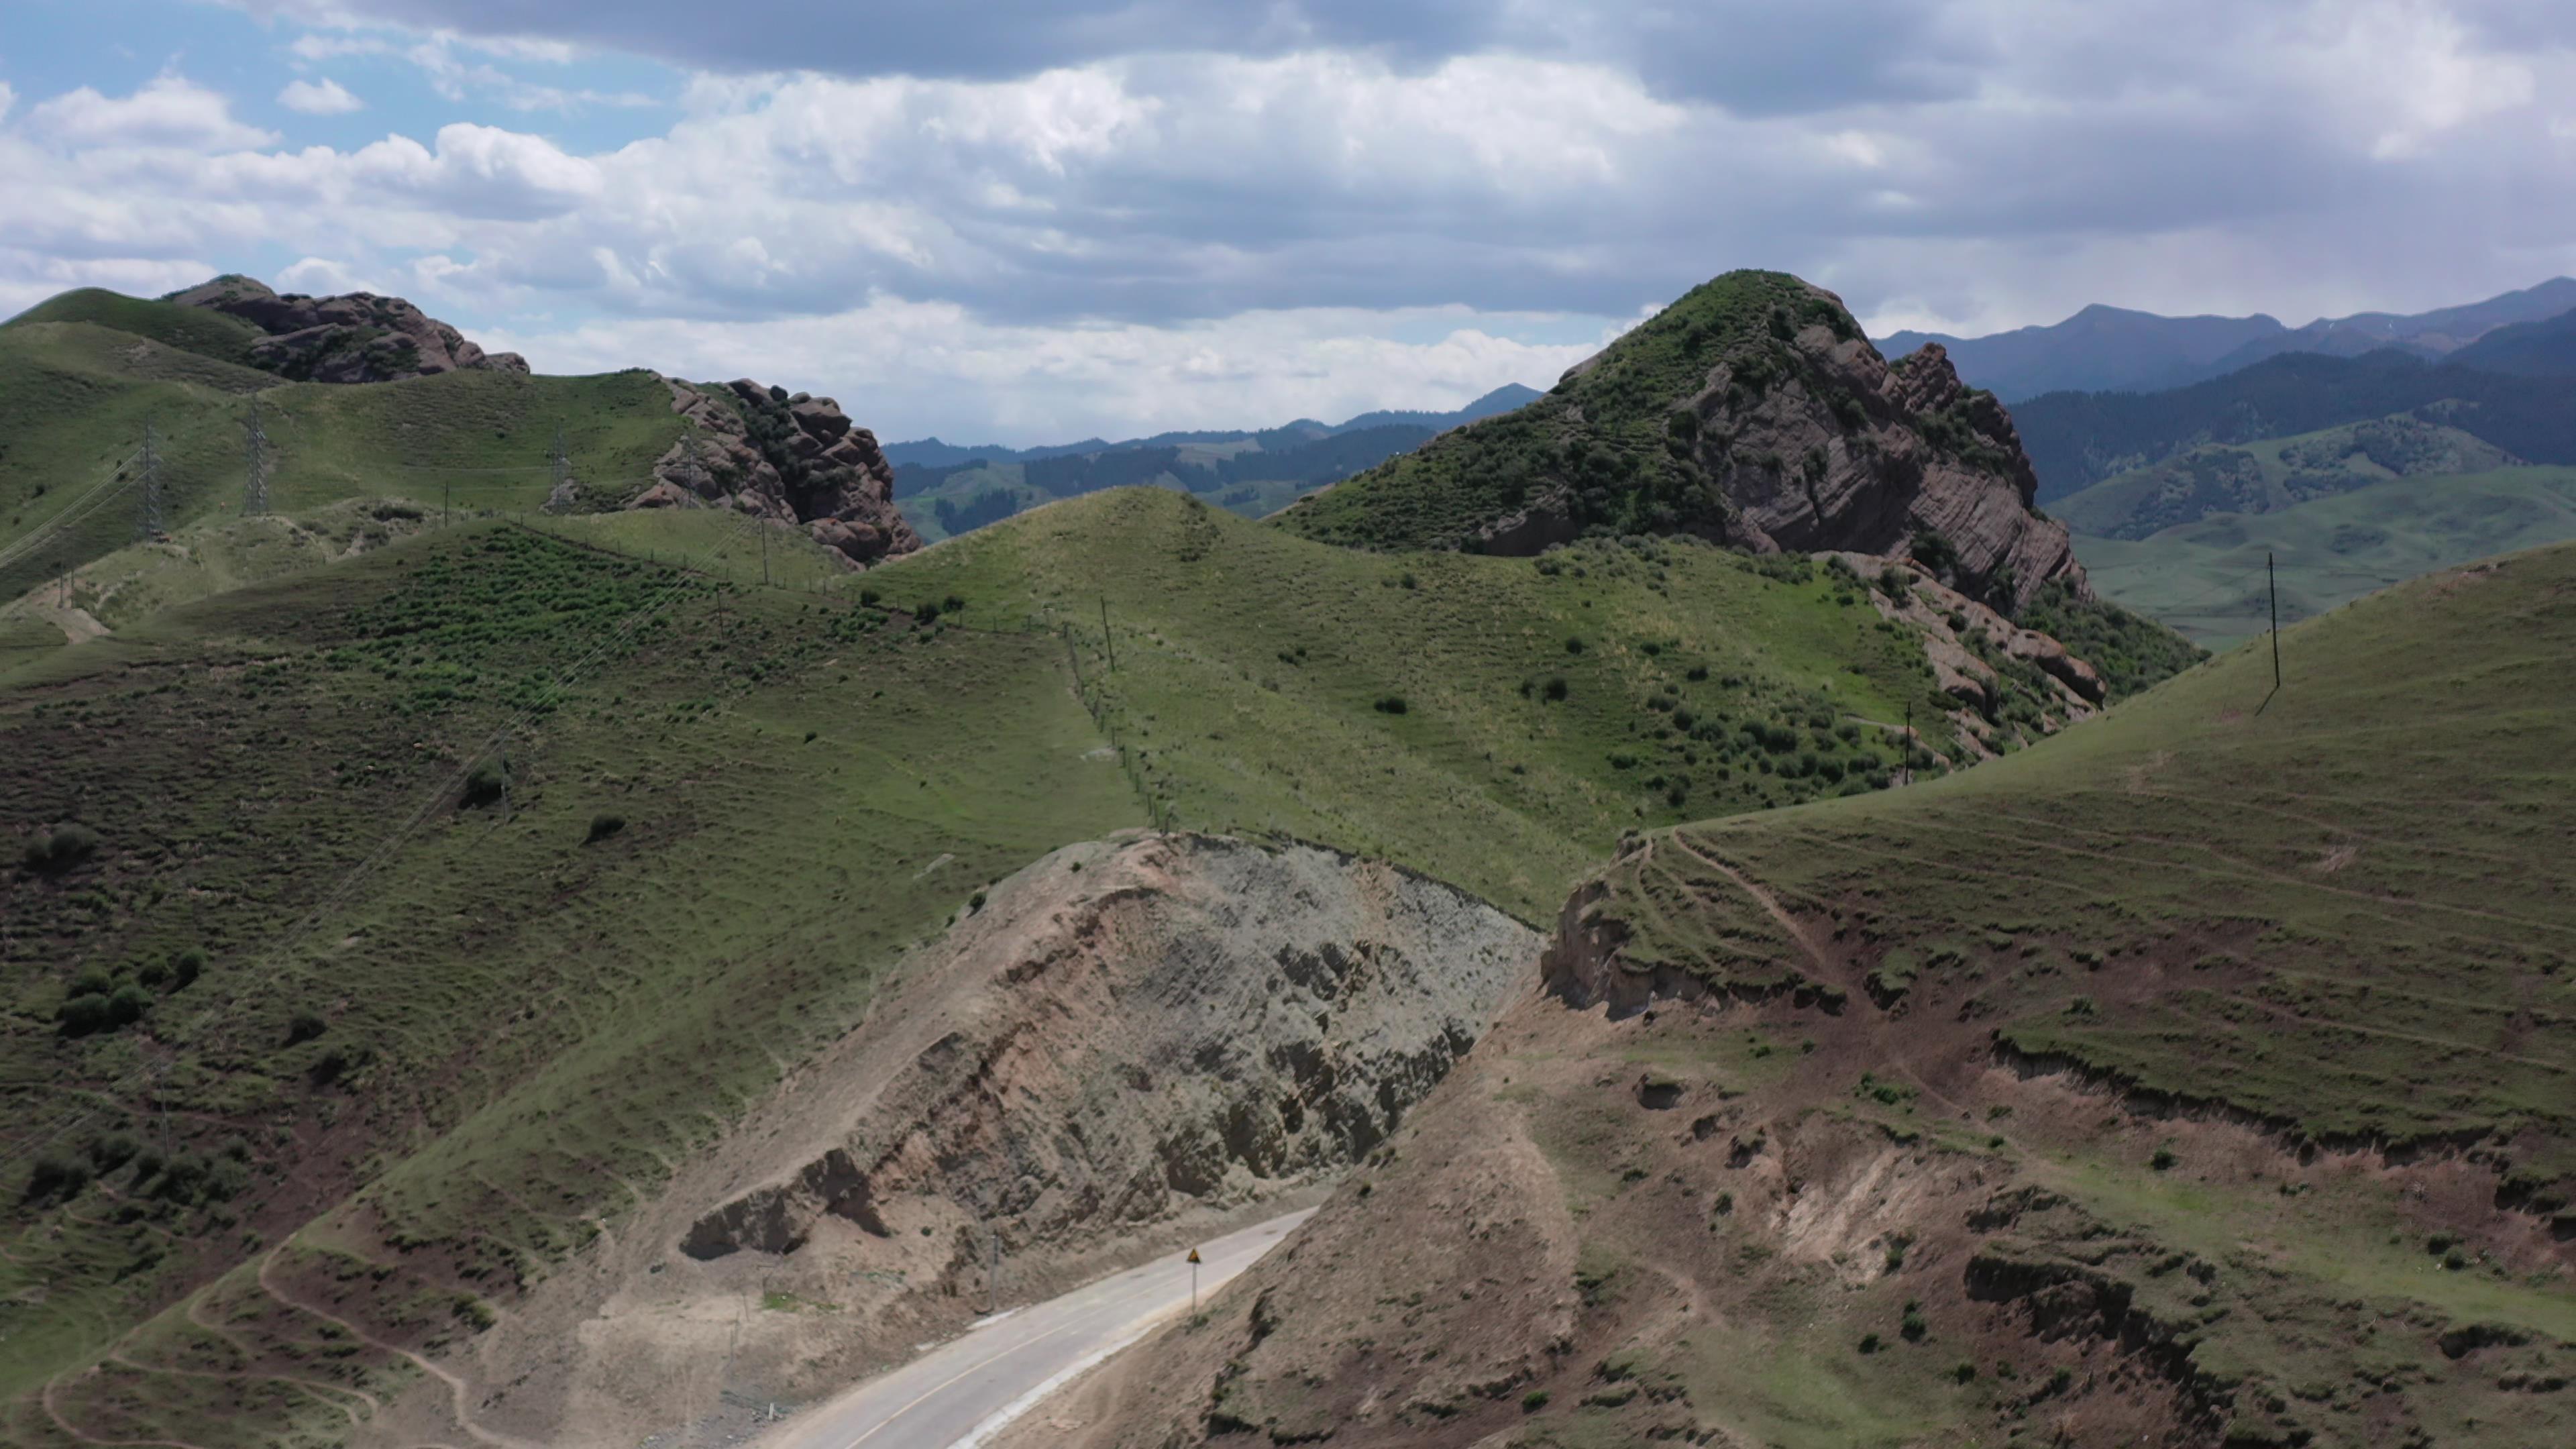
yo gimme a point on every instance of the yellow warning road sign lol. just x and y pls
(1194, 1255)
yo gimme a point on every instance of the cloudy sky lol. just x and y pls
(1030, 220)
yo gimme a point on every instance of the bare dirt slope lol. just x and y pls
(1131, 1041)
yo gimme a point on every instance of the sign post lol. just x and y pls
(1194, 1282)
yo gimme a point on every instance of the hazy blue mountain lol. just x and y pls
(933, 453)
(2078, 439)
(2112, 349)
(2528, 349)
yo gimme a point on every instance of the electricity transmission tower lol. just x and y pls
(561, 462)
(255, 449)
(148, 522)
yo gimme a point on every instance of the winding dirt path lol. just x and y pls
(457, 1389)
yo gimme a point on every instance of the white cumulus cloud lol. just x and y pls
(325, 97)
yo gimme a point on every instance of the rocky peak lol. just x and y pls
(794, 458)
(1752, 411)
(357, 337)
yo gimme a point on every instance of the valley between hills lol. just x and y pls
(557, 919)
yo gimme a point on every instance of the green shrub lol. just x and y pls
(60, 849)
(127, 1004)
(1869, 1343)
(111, 1152)
(603, 826)
(83, 1014)
(487, 784)
(56, 1175)
(1573, 646)
(1533, 1401)
(925, 612)
(304, 1026)
(2164, 1160)
(1390, 704)
(1555, 688)
(185, 967)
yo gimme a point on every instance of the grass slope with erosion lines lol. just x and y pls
(74, 398)
(2203, 1075)
(712, 847)
(2207, 578)
(2277, 473)
(1496, 723)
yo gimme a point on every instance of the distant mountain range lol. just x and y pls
(945, 489)
(933, 453)
(2076, 439)
(2112, 349)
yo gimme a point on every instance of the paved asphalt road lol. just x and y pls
(965, 1389)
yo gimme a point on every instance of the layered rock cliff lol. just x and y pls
(794, 457)
(359, 337)
(1752, 411)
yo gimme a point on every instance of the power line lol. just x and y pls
(148, 522)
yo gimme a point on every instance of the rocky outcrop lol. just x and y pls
(1817, 443)
(359, 337)
(795, 458)
(1752, 412)
(1300, 1001)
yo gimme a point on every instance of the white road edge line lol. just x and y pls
(1003, 1417)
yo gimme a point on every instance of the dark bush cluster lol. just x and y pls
(60, 849)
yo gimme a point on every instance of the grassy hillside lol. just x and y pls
(2206, 1074)
(1494, 722)
(2277, 473)
(325, 956)
(75, 396)
(308, 992)
(198, 330)
(2207, 578)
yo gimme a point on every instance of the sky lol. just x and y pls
(1026, 221)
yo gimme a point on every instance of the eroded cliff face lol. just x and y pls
(358, 337)
(1842, 451)
(1129, 1041)
(794, 457)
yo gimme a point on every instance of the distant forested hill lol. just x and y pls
(2078, 439)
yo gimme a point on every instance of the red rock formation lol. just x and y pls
(797, 459)
(360, 337)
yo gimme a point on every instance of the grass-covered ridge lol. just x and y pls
(1494, 722)
(200, 330)
(75, 397)
(2348, 912)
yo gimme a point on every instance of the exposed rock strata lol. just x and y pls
(359, 337)
(1204, 1018)
(1846, 451)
